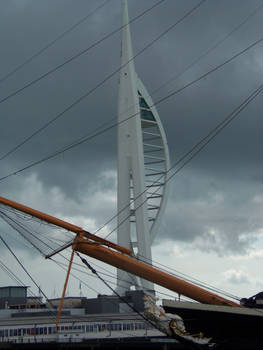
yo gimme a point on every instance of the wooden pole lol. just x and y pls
(66, 225)
(64, 289)
(149, 273)
(94, 246)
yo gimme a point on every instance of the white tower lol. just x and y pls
(143, 161)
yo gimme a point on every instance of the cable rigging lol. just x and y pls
(161, 100)
(207, 52)
(19, 282)
(53, 315)
(22, 266)
(51, 43)
(142, 316)
(114, 291)
(79, 53)
(244, 106)
(89, 287)
(204, 142)
(195, 150)
(108, 77)
(52, 248)
(11, 274)
(18, 229)
(185, 277)
(108, 274)
(163, 85)
(51, 312)
(215, 131)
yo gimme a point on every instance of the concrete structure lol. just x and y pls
(89, 323)
(12, 295)
(143, 162)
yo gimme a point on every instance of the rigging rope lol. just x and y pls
(43, 245)
(23, 267)
(113, 290)
(161, 100)
(212, 48)
(51, 43)
(108, 77)
(191, 154)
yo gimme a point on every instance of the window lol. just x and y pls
(4, 292)
(18, 292)
(143, 103)
(147, 115)
(102, 327)
(140, 325)
(116, 327)
(128, 326)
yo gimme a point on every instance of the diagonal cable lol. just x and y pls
(43, 49)
(97, 133)
(108, 77)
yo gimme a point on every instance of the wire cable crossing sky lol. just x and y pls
(212, 224)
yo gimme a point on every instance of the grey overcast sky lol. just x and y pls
(213, 223)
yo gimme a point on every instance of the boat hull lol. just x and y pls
(224, 324)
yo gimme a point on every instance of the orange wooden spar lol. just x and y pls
(65, 288)
(55, 221)
(102, 250)
(149, 273)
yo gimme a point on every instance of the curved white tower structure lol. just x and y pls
(143, 161)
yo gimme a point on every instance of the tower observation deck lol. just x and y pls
(143, 162)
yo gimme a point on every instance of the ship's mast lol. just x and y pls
(142, 155)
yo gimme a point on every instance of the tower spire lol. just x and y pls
(137, 211)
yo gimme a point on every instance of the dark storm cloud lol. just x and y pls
(231, 166)
(214, 214)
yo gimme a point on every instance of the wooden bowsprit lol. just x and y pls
(119, 257)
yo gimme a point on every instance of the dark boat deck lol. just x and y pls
(241, 327)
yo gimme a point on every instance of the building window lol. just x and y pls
(146, 112)
(147, 115)
(143, 103)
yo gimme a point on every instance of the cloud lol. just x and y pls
(255, 254)
(236, 277)
(215, 202)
